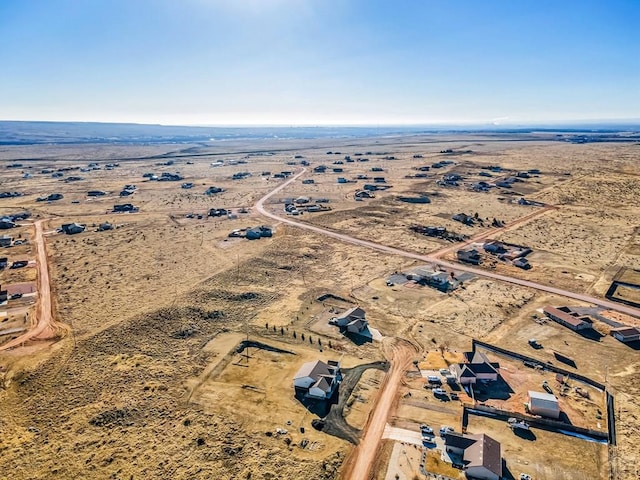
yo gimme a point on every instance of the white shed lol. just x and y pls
(543, 404)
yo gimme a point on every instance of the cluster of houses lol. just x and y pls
(573, 320)
(506, 252)
(10, 221)
(128, 190)
(10, 194)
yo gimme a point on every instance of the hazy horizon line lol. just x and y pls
(488, 123)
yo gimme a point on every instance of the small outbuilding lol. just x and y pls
(626, 334)
(544, 404)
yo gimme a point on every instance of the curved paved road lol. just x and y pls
(432, 259)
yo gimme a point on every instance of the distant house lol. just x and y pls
(96, 193)
(105, 226)
(258, 232)
(364, 194)
(494, 246)
(626, 334)
(308, 181)
(5, 241)
(72, 228)
(463, 218)
(124, 208)
(522, 263)
(4, 261)
(543, 404)
(6, 223)
(317, 380)
(568, 318)
(469, 256)
(475, 367)
(480, 454)
(320, 169)
(187, 185)
(379, 180)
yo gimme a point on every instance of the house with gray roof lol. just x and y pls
(317, 380)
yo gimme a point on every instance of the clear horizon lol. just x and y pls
(320, 63)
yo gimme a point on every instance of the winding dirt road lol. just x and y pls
(45, 326)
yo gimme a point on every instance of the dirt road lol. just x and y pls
(432, 259)
(45, 326)
(358, 465)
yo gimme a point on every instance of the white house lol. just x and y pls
(317, 380)
(543, 404)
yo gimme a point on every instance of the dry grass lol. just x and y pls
(146, 300)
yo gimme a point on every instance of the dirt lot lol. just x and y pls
(146, 299)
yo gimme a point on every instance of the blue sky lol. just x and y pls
(319, 61)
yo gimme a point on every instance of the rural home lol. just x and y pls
(349, 316)
(469, 256)
(317, 380)
(480, 454)
(626, 334)
(566, 317)
(72, 228)
(543, 404)
(475, 367)
(5, 241)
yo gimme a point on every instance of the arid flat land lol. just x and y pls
(147, 384)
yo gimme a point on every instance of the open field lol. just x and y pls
(156, 305)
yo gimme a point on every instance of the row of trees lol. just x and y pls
(284, 331)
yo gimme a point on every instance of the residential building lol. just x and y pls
(317, 380)
(480, 454)
(566, 317)
(5, 241)
(469, 256)
(626, 334)
(349, 316)
(476, 367)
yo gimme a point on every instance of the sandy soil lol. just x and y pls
(145, 300)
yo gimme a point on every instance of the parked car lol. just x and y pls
(445, 429)
(426, 429)
(454, 396)
(525, 476)
(439, 391)
(15, 296)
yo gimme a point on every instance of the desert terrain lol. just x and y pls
(148, 378)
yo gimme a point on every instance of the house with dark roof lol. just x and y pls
(626, 334)
(469, 256)
(480, 454)
(317, 380)
(355, 313)
(476, 367)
